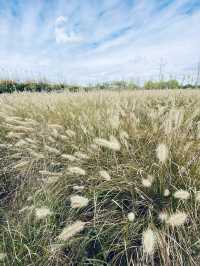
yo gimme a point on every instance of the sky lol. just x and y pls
(87, 41)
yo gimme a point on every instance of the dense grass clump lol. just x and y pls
(100, 178)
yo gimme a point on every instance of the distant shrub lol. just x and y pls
(9, 86)
(170, 84)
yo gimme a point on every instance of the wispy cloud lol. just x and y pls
(86, 41)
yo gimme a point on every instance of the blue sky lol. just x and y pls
(87, 41)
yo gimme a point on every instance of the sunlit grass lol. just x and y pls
(100, 178)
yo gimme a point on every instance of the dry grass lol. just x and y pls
(100, 178)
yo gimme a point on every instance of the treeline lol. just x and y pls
(9, 86)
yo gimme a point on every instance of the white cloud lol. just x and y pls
(63, 34)
(60, 20)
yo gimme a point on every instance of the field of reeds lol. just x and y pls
(100, 178)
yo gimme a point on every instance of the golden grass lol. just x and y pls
(100, 178)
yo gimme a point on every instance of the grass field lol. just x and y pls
(100, 178)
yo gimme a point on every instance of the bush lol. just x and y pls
(154, 85)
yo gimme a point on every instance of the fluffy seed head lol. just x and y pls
(81, 155)
(166, 192)
(2, 256)
(94, 147)
(71, 230)
(47, 173)
(112, 145)
(105, 175)
(70, 133)
(21, 143)
(42, 213)
(148, 240)
(177, 219)
(124, 134)
(51, 180)
(162, 152)
(197, 196)
(26, 209)
(78, 201)
(115, 121)
(21, 165)
(12, 135)
(131, 216)
(78, 188)
(53, 248)
(63, 137)
(51, 139)
(69, 157)
(76, 170)
(56, 126)
(147, 182)
(163, 216)
(51, 150)
(35, 155)
(54, 133)
(22, 129)
(182, 194)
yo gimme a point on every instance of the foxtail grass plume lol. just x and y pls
(42, 213)
(112, 145)
(70, 133)
(166, 192)
(115, 121)
(131, 216)
(105, 175)
(34, 154)
(182, 194)
(3, 146)
(47, 173)
(53, 248)
(14, 135)
(147, 182)
(2, 256)
(20, 143)
(162, 152)
(16, 155)
(76, 171)
(29, 140)
(51, 150)
(81, 155)
(148, 241)
(56, 126)
(197, 196)
(13, 119)
(21, 165)
(54, 133)
(177, 219)
(163, 217)
(22, 129)
(71, 230)
(78, 201)
(63, 137)
(78, 188)
(51, 139)
(94, 147)
(51, 180)
(124, 135)
(26, 209)
(69, 157)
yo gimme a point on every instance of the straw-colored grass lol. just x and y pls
(100, 178)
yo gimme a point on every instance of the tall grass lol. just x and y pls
(100, 178)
